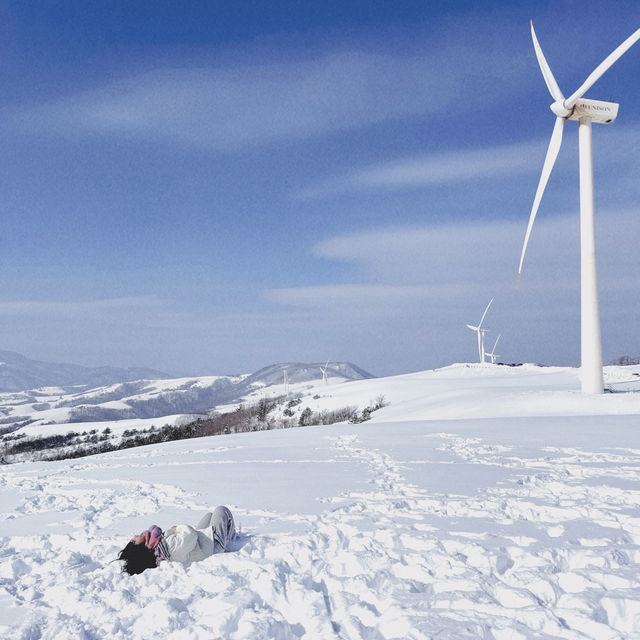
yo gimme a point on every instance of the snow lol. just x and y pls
(482, 502)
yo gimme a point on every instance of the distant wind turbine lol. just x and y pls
(285, 376)
(480, 331)
(492, 354)
(575, 107)
(324, 372)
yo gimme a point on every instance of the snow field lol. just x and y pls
(457, 529)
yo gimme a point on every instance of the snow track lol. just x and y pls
(392, 531)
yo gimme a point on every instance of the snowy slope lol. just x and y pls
(482, 502)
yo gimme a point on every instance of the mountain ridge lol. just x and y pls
(19, 373)
(156, 398)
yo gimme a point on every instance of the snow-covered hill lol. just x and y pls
(299, 372)
(140, 403)
(482, 502)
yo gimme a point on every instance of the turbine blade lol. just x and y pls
(549, 161)
(552, 85)
(601, 68)
(472, 327)
(485, 313)
(495, 344)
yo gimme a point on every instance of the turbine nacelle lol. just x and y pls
(597, 110)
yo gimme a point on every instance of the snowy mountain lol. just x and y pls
(171, 399)
(481, 502)
(18, 373)
(298, 372)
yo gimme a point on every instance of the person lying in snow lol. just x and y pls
(181, 543)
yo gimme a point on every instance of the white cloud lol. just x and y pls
(434, 169)
(614, 153)
(259, 102)
(126, 314)
(441, 263)
(348, 295)
(469, 252)
(46, 308)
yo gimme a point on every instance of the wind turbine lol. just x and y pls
(324, 372)
(493, 355)
(285, 376)
(480, 331)
(575, 107)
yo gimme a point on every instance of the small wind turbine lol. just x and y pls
(324, 372)
(575, 107)
(492, 354)
(480, 331)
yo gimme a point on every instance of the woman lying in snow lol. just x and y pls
(213, 534)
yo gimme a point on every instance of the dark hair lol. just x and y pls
(137, 558)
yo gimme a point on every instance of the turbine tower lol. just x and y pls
(492, 354)
(480, 331)
(575, 107)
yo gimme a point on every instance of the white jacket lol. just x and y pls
(186, 544)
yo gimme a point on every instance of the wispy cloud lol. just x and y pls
(259, 102)
(434, 169)
(59, 308)
(348, 295)
(441, 262)
(615, 153)
(224, 109)
(435, 254)
(146, 312)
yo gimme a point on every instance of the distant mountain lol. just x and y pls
(18, 373)
(156, 398)
(50, 402)
(299, 372)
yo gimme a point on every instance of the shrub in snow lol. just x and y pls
(257, 417)
(306, 417)
(377, 404)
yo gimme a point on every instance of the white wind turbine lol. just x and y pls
(492, 354)
(480, 331)
(324, 372)
(575, 107)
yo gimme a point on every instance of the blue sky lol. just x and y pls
(210, 187)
